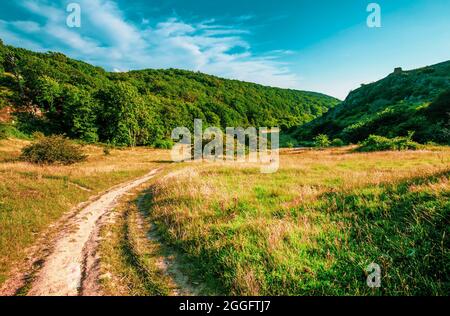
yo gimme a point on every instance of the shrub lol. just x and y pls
(53, 149)
(380, 143)
(337, 142)
(374, 143)
(163, 144)
(38, 135)
(107, 150)
(322, 141)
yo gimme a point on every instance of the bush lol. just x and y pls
(337, 142)
(53, 149)
(376, 143)
(322, 141)
(38, 135)
(107, 150)
(163, 144)
(380, 143)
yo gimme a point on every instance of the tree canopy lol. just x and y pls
(405, 101)
(142, 107)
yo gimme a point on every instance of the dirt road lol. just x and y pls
(71, 269)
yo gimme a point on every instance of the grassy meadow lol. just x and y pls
(32, 197)
(313, 227)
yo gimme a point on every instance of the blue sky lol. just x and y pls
(322, 45)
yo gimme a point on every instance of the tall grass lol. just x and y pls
(313, 227)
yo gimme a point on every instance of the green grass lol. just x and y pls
(134, 267)
(136, 264)
(10, 131)
(313, 227)
(405, 231)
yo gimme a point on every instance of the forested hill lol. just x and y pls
(405, 101)
(138, 107)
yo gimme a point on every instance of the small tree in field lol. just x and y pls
(322, 141)
(51, 150)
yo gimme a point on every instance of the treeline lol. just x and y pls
(58, 95)
(404, 102)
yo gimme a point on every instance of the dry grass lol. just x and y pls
(32, 197)
(133, 261)
(310, 228)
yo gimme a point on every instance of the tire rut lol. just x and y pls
(72, 267)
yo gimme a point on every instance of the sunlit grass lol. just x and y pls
(313, 227)
(32, 196)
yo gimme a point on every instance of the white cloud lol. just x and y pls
(108, 39)
(41, 8)
(26, 26)
(10, 36)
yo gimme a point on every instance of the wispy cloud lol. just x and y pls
(108, 39)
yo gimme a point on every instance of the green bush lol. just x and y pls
(53, 149)
(337, 142)
(8, 130)
(322, 141)
(290, 145)
(380, 143)
(163, 144)
(107, 150)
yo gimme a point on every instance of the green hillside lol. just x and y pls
(416, 100)
(52, 93)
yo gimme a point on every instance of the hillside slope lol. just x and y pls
(416, 100)
(140, 107)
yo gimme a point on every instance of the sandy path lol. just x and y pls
(70, 269)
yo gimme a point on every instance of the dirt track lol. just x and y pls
(71, 269)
